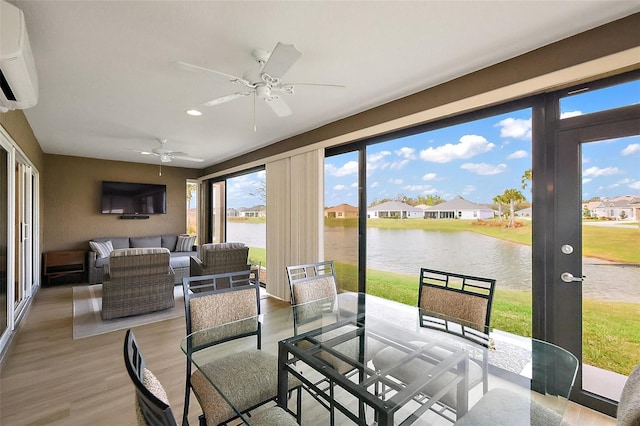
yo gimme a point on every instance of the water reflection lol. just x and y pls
(404, 251)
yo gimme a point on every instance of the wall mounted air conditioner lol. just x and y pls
(18, 78)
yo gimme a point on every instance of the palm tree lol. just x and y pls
(511, 197)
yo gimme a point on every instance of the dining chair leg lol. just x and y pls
(185, 411)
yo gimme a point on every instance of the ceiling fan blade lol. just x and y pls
(285, 85)
(281, 59)
(233, 78)
(186, 158)
(227, 98)
(278, 106)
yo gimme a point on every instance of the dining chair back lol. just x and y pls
(152, 406)
(465, 297)
(311, 282)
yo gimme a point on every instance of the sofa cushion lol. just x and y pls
(185, 243)
(101, 262)
(117, 242)
(169, 241)
(134, 251)
(181, 259)
(144, 242)
(102, 248)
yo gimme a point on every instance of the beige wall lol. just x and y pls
(72, 193)
(16, 124)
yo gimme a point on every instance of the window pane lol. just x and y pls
(341, 217)
(433, 203)
(588, 101)
(246, 215)
(610, 263)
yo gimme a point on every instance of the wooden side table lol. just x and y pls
(62, 263)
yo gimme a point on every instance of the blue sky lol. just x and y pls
(476, 160)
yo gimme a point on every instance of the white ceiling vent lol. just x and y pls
(18, 78)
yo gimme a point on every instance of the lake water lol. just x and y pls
(406, 250)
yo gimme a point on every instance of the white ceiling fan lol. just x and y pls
(264, 82)
(166, 155)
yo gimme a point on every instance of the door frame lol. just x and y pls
(557, 306)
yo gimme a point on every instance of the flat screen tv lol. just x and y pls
(126, 198)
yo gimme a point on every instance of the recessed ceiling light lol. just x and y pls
(194, 112)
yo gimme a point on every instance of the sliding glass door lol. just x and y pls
(5, 306)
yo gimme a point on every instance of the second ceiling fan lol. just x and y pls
(264, 82)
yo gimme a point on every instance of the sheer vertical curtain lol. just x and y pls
(295, 201)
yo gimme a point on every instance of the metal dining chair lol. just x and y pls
(152, 404)
(208, 306)
(461, 297)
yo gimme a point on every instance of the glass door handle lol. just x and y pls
(568, 277)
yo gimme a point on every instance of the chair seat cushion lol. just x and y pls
(501, 407)
(248, 378)
(273, 416)
(406, 372)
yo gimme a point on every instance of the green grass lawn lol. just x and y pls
(609, 329)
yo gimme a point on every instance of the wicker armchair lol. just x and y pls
(220, 258)
(138, 281)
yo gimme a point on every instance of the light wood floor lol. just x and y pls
(47, 378)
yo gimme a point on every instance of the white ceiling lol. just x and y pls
(109, 85)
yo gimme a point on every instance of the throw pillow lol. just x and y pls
(102, 248)
(185, 243)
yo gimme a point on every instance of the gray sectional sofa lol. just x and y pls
(180, 260)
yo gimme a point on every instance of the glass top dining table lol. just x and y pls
(367, 360)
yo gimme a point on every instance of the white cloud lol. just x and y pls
(423, 189)
(396, 181)
(397, 165)
(354, 185)
(586, 180)
(570, 114)
(406, 152)
(517, 154)
(339, 188)
(348, 168)
(469, 146)
(631, 149)
(374, 185)
(378, 156)
(376, 161)
(484, 169)
(635, 185)
(516, 128)
(429, 176)
(262, 174)
(468, 189)
(597, 171)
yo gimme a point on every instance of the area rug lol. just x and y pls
(87, 304)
